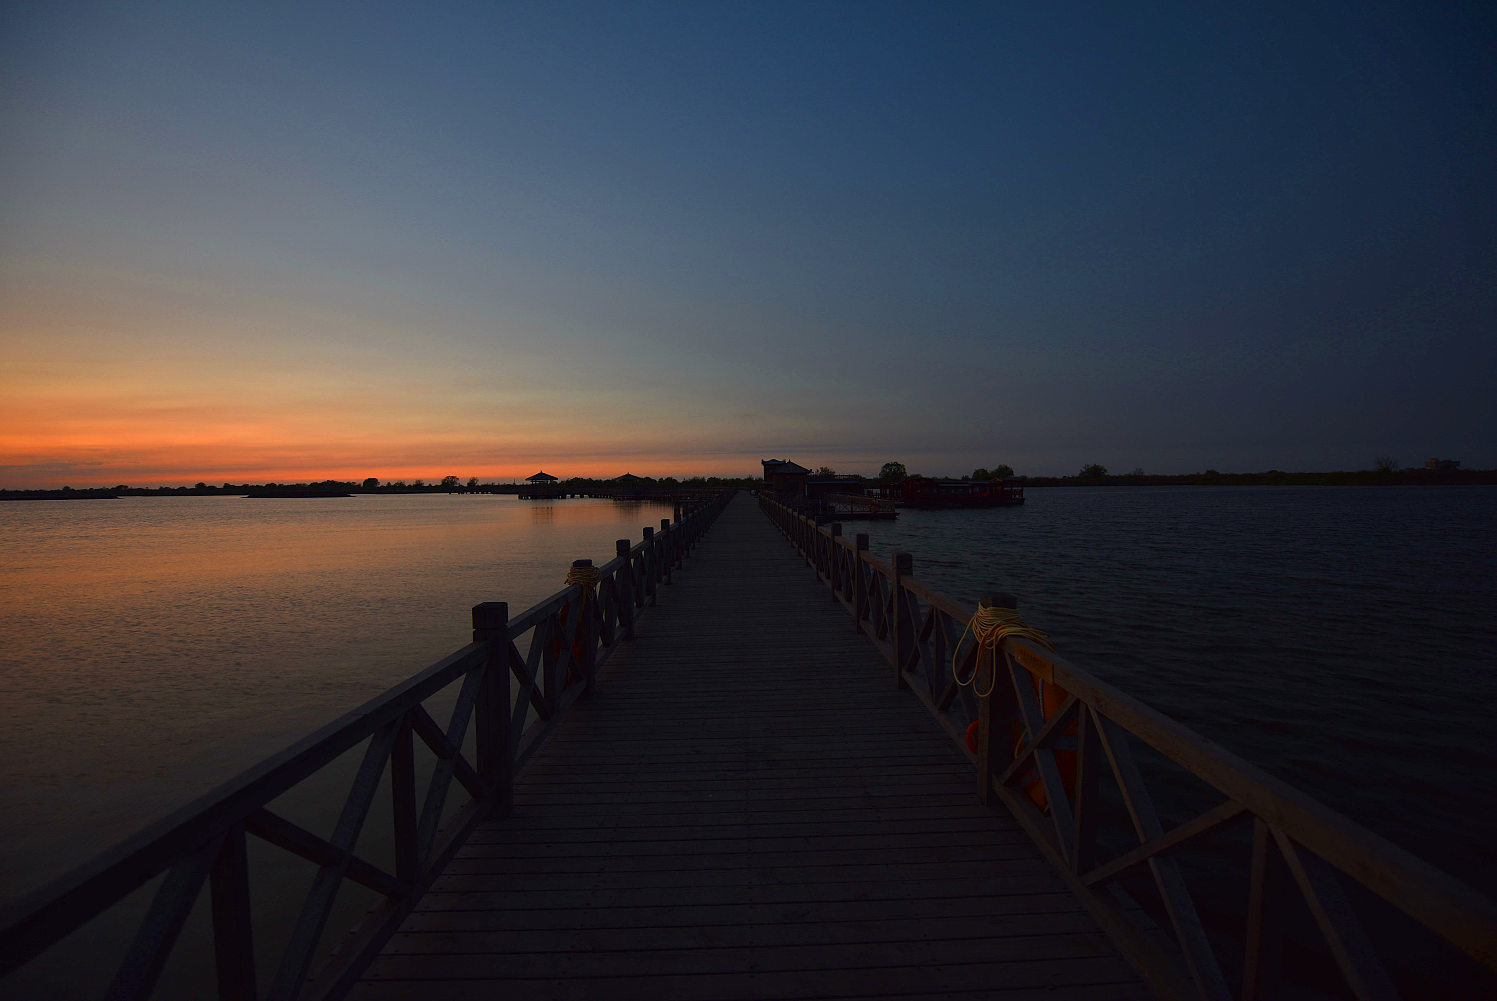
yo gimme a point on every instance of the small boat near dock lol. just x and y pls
(858, 507)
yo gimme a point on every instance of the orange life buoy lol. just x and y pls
(1052, 697)
(577, 652)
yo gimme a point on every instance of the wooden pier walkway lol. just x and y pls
(748, 808)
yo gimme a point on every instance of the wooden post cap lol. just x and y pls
(904, 563)
(649, 532)
(836, 528)
(582, 563)
(861, 540)
(621, 547)
(491, 615)
(665, 524)
(998, 599)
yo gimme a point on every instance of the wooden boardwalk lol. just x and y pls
(747, 808)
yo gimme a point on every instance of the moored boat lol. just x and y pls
(928, 492)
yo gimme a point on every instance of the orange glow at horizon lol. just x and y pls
(149, 380)
(140, 428)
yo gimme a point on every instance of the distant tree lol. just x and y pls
(200, 485)
(1095, 471)
(893, 472)
(450, 482)
(418, 483)
(1137, 471)
(371, 483)
(396, 483)
(1385, 463)
(826, 472)
(472, 482)
(1001, 471)
(980, 474)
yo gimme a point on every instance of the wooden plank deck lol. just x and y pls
(747, 808)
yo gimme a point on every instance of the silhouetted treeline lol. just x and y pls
(344, 488)
(1275, 477)
(66, 493)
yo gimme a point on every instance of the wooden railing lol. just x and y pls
(1296, 844)
(571, 635)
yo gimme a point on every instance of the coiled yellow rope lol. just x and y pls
(587, 576)
(989, 628)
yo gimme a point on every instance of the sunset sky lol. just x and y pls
(278, 242)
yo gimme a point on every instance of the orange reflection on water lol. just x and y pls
(151, 646)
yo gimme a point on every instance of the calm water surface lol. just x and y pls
(1341, 638)
(153, 647)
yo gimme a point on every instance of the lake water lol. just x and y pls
(1340, 638)
(152, 647)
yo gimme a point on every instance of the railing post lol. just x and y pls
(1267, 882)
(833, 578)
(405, 820)
(993, 750)
(491, 712)
(586, 638)
(859, 581)
(548, 679)
(668, 548)
(903, 630)
(233, 934)
(1084, 801)
(625, 588)
(651, 555)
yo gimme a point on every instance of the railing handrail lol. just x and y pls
(1394, 873)
(35, 921)
(116, 871)
(1450, 908)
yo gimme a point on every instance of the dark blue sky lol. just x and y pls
(241, 239)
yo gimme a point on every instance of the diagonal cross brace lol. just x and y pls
(1189, 932)
(282, 833)
(136, 977)
(297, 958)
(441, 776)
(1032, 715)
